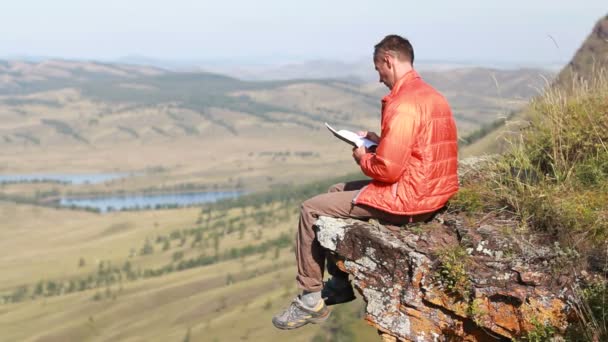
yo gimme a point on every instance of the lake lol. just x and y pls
(151, 201)
(76, 179)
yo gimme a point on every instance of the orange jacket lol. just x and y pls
(415, 167)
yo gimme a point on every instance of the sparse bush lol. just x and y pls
(177, 256)
(147, 248)
(98, 296)
(542, 332)
(591, 308)
(229, 279)
(452, 271)
(467, 199)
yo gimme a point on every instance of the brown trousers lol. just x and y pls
(337, 202)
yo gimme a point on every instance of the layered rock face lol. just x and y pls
(449, 281)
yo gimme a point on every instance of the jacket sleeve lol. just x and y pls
(394, 149)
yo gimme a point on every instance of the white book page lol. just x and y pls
(352, 137)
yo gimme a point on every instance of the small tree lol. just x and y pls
(147, 248)
(229, 279)
(39, 290)
(177, 256)
(187, 337)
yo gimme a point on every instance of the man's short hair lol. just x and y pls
(398, 46)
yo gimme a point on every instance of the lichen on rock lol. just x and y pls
(504, 293)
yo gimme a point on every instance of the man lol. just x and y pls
(413, 173)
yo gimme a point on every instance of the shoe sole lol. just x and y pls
(313, 320)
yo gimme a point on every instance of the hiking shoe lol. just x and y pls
(332, 295)
(297, 315)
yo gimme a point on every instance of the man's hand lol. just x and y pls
(359, 152)
(370, 135)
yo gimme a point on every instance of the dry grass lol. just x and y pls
(554, 179)
(200, 300)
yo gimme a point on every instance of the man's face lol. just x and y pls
(384, 69)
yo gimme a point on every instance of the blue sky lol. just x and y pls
(515, 31)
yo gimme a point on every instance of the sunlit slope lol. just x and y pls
(217, 273)
(93, 104)
(61, 102)
(109, 277)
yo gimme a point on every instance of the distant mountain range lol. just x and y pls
(359, 70)
(87, 102)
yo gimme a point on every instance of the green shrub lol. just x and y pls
(452, 271)
(592, 309)
(468, 199)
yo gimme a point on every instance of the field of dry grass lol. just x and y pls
(231, 298)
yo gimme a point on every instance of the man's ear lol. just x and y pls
(388, 59)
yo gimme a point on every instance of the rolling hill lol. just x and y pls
(87, 116)
(100, 102)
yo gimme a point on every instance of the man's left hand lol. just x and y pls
(358, 152)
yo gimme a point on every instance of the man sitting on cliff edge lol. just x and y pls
(413, 171)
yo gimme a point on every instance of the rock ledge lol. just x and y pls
(443, 281)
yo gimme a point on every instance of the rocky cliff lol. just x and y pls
(452, 279)
(590, 58)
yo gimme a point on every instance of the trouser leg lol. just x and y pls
(310, 255)
(331, 258)
(348, 186)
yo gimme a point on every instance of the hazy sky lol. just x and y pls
(276, 30)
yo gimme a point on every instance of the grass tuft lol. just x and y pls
(554, 180)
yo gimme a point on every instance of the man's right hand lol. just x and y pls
(370, 135)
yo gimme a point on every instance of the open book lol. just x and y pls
(351, 137)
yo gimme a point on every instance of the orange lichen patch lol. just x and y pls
(504, 315)
(413, 313)
(504, 318)
(458, 306)
(483, 314)
(417, 278)
(422, 324)
(546, 312)
(455, 332)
